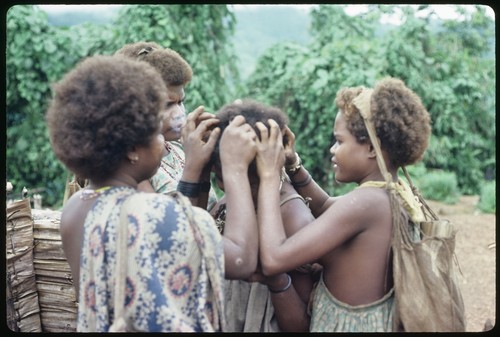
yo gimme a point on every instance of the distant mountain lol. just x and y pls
(259, 28)
(72, 15)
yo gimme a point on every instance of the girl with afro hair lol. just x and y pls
(351, 235)
(105, 123)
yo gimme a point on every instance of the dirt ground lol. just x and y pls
(476, 253)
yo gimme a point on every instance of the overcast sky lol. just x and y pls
(444, 11)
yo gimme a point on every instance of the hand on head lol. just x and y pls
(237, 144)
(199, 136)
(290, 157)
(270, 151)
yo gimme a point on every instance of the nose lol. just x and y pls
(332, 148)
(179, 118)
(177, 115)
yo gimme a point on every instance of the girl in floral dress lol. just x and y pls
(105, 125)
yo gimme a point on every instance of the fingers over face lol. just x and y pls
(192, 117)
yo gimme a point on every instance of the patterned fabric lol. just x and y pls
(331, 315)
(175, 267)
(169, 173)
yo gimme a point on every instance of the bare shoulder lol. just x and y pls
(363, 201)
(74, 212)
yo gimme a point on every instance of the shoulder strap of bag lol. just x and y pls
(362, 102)
(119, 323)
(425, 207)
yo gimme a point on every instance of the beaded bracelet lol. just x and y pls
(190, 190)
(303, 182)
(288, 285)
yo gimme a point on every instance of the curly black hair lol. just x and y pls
(401, 121)
(173, 68)
(254, 112)
(100, 110)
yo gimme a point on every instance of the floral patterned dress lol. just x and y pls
(175, 264)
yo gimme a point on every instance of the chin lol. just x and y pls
(173, 137)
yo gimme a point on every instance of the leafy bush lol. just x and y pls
(448, 63)
(487, 199)
(440, 186)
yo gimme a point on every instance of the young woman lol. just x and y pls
(351, 236)
(176, 73)
(105, 124)
(250, 305)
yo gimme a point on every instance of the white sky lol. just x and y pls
(443, 11)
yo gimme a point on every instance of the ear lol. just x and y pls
(133, 156)
(371, 151)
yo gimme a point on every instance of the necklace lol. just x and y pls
(88, 193)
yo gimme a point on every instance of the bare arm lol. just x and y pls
(290, 309)
(72, 231)
(237, 149)
(199, 137)
(305, 186)
(290, 306)
(334, 227)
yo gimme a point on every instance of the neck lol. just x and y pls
(111, 182)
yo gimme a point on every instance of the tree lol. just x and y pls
(449, 64)
(39, 54)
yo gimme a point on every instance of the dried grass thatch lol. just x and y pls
(22, 296)
(56, 291)
(41, 296)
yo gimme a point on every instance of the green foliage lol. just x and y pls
(440, 186)
(487, 198)
(449, 64)
(200, 33)
(448, 71)
(39, 54)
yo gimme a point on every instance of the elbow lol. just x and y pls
(269, 266)
(240, 268)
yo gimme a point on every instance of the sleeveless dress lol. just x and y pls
(175, 264)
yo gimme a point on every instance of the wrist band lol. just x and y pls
(303, 182)
(205, 187)
(190, 190)
(288, 285)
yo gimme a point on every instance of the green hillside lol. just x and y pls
(259, 28)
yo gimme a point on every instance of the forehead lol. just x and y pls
(175, 92)
(340, 122)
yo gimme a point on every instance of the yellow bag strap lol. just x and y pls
(362, 102)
